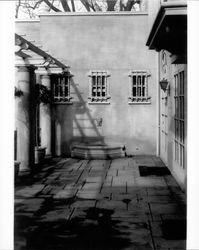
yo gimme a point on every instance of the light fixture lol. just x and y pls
(164, 85)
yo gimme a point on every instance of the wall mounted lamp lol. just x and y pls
(164, 85)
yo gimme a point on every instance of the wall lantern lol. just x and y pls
(164, 85)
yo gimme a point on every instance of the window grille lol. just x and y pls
(179, 121)
(139, 87)
(99, 87)
(61, 89)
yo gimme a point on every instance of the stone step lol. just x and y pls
(97, 151)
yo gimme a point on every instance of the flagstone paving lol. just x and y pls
(99, 204)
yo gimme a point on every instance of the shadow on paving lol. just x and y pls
(95, 231)
(100, 205)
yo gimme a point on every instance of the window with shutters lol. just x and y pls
(99, 87)
(139, 87)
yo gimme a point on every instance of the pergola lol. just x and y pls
(28, 52)
(33, 65)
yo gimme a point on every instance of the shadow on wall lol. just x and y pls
(74, 124)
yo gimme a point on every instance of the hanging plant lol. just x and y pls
(42, 94)
(18, 92)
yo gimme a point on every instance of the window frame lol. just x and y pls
(62, 99)
(104, 88)
(179, 118)
(141, 98)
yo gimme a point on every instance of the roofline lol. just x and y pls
(158, 19)
(36, 20)
(114, 13)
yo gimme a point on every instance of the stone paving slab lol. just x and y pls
(169, 208)
(156, 229)
(87, 195)
(138, 233)
(119, 197)
(64, 194)
(46, 190)
(161, 243)
(93, 179)
(173, 216)
(30, 191)
(150, 182)
(158, 191)
(135, 190)
(28, 205)
(92, 186)
(110, 204)
(126, 172)
(83, 204)
(113, 190)
(56, 189)
(158, 199)
(56, 215)
(135, 217)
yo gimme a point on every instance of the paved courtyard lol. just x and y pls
(127, 203)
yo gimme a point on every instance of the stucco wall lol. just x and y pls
(112, 42)
(115, 43)
(29, 28)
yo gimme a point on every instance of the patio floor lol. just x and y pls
(127, 203)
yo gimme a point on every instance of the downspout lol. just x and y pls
(158, 109)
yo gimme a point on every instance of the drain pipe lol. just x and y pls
(158, 109)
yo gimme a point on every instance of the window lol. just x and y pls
(179, 121)
(61, 89)
(99, 87)
(139, 87)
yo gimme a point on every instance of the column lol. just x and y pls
(45, 118)
(25, 142)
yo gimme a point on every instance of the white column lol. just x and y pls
(22, 118)
(45, 118)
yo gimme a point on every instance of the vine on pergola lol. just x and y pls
(32, 7)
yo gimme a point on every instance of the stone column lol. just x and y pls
(24, 78)
(45, 118)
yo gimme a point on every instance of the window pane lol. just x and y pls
(139, 86)
(134, 91)
(134, 80)
(179, 118)
(99, 85)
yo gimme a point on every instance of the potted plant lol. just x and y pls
(42, 96)
(18, 92)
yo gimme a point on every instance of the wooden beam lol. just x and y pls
(40, 52)
(21, 54)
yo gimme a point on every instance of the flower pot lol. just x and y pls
(39, 155)
(16, 165)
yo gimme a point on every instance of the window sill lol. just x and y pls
(138, 103)
(100, 103)
(62, 103)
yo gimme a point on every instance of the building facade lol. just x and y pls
(168, 36)
(105, 87)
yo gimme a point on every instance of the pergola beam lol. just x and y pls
(20, 41)
(21, 54)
